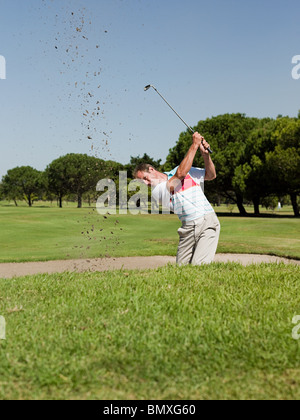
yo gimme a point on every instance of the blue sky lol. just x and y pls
(69, 60)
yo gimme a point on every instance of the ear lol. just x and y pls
(151, 169)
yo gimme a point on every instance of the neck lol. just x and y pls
(163, 176)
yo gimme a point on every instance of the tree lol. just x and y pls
(23, 182)
(252, 177)
(284, 160)
(10, 191)
(134, 161)
(109, 170)
(78, 174)
(57, 182)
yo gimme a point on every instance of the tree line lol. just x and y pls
(257, 160)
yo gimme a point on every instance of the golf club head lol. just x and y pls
(147, 88)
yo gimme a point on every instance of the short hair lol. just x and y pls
(142, 167)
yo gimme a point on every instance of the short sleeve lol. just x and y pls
(198, 175)
(161, 195)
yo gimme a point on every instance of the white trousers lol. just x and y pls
(198, 240)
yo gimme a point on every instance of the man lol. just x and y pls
(180, 190)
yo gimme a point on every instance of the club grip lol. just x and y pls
(209, 150)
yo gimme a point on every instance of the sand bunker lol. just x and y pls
(11, 270)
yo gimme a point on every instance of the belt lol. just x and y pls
(197, 221)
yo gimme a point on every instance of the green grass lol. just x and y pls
(38, 234)
(228, 209)
(216, 332)
(233, 209)
(279, 237)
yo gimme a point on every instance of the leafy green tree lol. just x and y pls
(109, 170)
(83, 173)
(252, 177)
(78, 174)
(134, 161)
(284, 160)
(57, 182)
(23, 182)
(10, 192)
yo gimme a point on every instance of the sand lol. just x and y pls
(11, 270)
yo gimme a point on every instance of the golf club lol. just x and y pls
(191, 130)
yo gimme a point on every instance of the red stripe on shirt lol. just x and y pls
(186, 184)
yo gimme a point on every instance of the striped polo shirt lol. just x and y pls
(188, 200)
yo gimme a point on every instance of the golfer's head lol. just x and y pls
(148, 174)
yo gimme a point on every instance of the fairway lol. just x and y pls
(222, 332)
(41, 234)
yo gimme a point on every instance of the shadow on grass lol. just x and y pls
(43, 207)
(257, 216)
(219, 213)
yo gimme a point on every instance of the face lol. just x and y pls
(150, 178)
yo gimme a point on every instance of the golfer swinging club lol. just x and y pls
(180, 191)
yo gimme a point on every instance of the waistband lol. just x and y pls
(197, 221)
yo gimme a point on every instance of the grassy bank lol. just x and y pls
(219, 332)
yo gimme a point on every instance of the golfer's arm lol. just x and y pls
(210, 170)
(184, 167)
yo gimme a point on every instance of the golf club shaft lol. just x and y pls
(191, 130)
(164, 99)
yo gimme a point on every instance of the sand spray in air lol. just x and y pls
(79, 66)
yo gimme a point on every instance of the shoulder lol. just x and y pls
(170, 174)
(160, 189)
(198, 174)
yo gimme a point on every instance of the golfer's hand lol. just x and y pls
(197, 139)
(204, 146)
